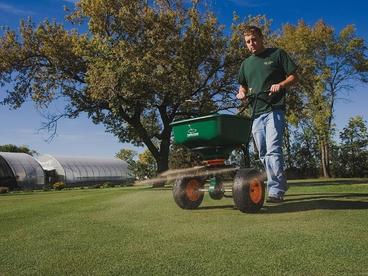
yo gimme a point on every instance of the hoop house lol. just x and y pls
(20, 170)
(76, 171)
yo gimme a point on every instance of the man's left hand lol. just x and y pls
(275, 88)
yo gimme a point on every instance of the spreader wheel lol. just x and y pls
(248, 190)
(186, 192)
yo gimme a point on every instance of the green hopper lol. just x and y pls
(213, 136)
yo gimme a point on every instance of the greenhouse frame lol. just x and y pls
(22, 171)
(79, 171)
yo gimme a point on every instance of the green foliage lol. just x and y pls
(352, 154)
(147, 166)
(141, 167)
(128, 155)
(355, 134)
(108, 185)
(328, 63)
(47, 187)
(59, 185)
(304, 156)
(14, 148)
(95, 186)
(182, 157)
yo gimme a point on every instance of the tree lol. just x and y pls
(329, 65)
(304, 150)
(128, 155)
(14, 148)
(140, 65)
(142, 167)
(182, 157)
(354, 148)
(147, 167)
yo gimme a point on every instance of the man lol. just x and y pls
(271, 70)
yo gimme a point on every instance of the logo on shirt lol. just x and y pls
(268, 62)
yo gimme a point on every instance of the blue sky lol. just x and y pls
(80, 137)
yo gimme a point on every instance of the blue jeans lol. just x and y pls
(268, 132)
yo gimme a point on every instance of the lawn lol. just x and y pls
(321, 229)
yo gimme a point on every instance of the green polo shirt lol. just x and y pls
(260, 72)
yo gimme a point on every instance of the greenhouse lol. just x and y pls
(79, 171)
(20, 171)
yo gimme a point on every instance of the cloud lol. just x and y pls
(14, 10)
(246, 4)
(71, 1)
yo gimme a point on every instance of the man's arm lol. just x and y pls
(290, 80)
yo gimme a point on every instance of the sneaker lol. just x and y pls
(272, 199)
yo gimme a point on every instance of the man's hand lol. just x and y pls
(242, 93)
(275, 88)
(284, 84)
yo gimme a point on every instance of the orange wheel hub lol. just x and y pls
(192, 190)
(255, 191)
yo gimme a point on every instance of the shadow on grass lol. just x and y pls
(326, 201)
(232, 207)
(329, 182)
(22, 193)
(166, 188)
(309, 202)
(299, 197)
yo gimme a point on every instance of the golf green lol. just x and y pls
(320, 229)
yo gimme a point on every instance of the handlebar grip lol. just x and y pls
(251, 95)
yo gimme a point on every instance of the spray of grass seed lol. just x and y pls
(171, 175)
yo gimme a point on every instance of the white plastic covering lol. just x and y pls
(27, 171)
(84, 170)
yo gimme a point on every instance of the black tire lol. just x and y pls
(248, 190)
(186, 192)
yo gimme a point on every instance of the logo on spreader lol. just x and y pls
(192, 132)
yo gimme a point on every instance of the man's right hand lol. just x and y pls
(242, 95)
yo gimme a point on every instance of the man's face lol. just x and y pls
(254, 43)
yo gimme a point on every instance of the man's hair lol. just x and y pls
(252, 30)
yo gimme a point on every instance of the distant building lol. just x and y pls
(79, 171)
(22, 171)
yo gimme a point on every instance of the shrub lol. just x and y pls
(108, 185)
(95, 186)
(47, 187)
(128, 182)
(59, 185)
(4, 190)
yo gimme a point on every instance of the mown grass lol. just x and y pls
(321, 229)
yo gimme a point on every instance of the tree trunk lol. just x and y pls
(163, 159)
(288, 158)
(163, 162)
(325, 160)
(353, 164)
